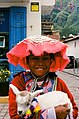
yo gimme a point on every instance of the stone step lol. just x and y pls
(4, 99)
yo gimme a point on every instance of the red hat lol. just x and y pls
(37, 45)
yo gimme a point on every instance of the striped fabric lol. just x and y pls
(48, 87)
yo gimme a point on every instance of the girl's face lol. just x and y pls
(39, 65)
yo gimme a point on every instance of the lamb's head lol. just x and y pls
(23, 99)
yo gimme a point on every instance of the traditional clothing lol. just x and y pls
(24, 80)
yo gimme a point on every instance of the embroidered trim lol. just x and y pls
(55, 84)
(26, 76)
(35, 108)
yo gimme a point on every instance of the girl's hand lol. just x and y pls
(62, 111)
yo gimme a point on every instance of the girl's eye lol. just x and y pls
(46, 58)
(42, 58)
(35, 58)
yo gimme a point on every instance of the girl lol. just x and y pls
(43, 56)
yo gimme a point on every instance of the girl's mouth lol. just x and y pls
(40, 69)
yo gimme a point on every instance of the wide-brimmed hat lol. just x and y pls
(37, 45)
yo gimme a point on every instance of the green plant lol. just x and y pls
(4, 75)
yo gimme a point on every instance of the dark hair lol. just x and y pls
(27, 59)
(52, 56)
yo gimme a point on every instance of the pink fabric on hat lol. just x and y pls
(38, 45)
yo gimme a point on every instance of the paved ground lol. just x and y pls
(72, 80)
(74, 72)
(4, 111)
(70, 76)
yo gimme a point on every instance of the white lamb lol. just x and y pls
(47, 100)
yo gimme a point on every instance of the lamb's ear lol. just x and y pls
(37, 92)
(15, 89)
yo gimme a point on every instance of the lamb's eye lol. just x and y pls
(27, 104)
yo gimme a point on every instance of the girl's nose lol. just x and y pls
(40, 60)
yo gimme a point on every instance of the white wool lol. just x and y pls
(53, 99)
